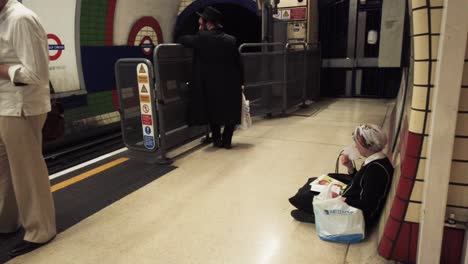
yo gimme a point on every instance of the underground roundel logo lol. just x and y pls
(56, 47)
(146, 33)
(147, 45)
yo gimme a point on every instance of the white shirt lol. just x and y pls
(23, 46)
(375, 156)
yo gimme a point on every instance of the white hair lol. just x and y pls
(371, 137)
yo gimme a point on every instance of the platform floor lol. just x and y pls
(223, 206)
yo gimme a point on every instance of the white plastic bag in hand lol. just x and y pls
(246, 120)
(336, 221)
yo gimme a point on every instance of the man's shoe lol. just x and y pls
(23, 247)
(303, 217)
(10, 234)
(227, 146)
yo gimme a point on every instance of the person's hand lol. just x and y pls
(4, 71)
(346, 162)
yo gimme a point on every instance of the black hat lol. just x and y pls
(212, 15)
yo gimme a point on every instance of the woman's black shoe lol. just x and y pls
(303, 217)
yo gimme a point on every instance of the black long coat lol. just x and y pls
(215, 89)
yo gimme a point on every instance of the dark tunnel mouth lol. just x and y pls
(240, 19)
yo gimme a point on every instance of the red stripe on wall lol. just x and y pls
(392, 224)
(413, 250)
(452, 245)
(398, 211)
(109, 38)
(405, 188)
(403, 246)
(401, 252)
(385, 247)
(414, 144)
(115, 100)
(409, 168)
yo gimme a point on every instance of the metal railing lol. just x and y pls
(162, 113)
(277, 76)
(173, 69)
(295, 74)
(264, 79)
(130, 105)
(154, 107)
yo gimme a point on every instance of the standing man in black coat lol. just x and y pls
(216, 87)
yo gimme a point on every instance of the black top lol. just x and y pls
(217, 76)
(369, 188)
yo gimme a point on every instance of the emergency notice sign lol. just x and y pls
(299, 13)
(289, 14)
(146, 106)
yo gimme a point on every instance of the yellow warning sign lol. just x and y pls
(143, 79)
(145, 99)
(142, 69)
(286, 14)
(143, 89)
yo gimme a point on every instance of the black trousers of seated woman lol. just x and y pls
(302, 200)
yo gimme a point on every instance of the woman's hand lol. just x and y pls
(346, 161)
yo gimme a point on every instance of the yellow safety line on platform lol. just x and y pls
(87, 174)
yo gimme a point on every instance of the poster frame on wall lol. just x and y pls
(77, 41)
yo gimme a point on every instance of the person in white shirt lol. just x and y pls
(25, 196)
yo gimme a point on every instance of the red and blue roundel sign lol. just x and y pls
(56, 47)
(147, 45)
(146, 33)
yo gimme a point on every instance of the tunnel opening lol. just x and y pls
(239, 19)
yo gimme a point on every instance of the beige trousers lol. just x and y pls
(25, 197)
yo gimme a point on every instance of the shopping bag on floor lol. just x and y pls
(246, 120)
(336, 221)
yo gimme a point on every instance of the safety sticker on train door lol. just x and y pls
(146, 107)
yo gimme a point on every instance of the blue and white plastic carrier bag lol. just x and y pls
(336, 221)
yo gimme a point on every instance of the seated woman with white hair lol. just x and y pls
(367, 189)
